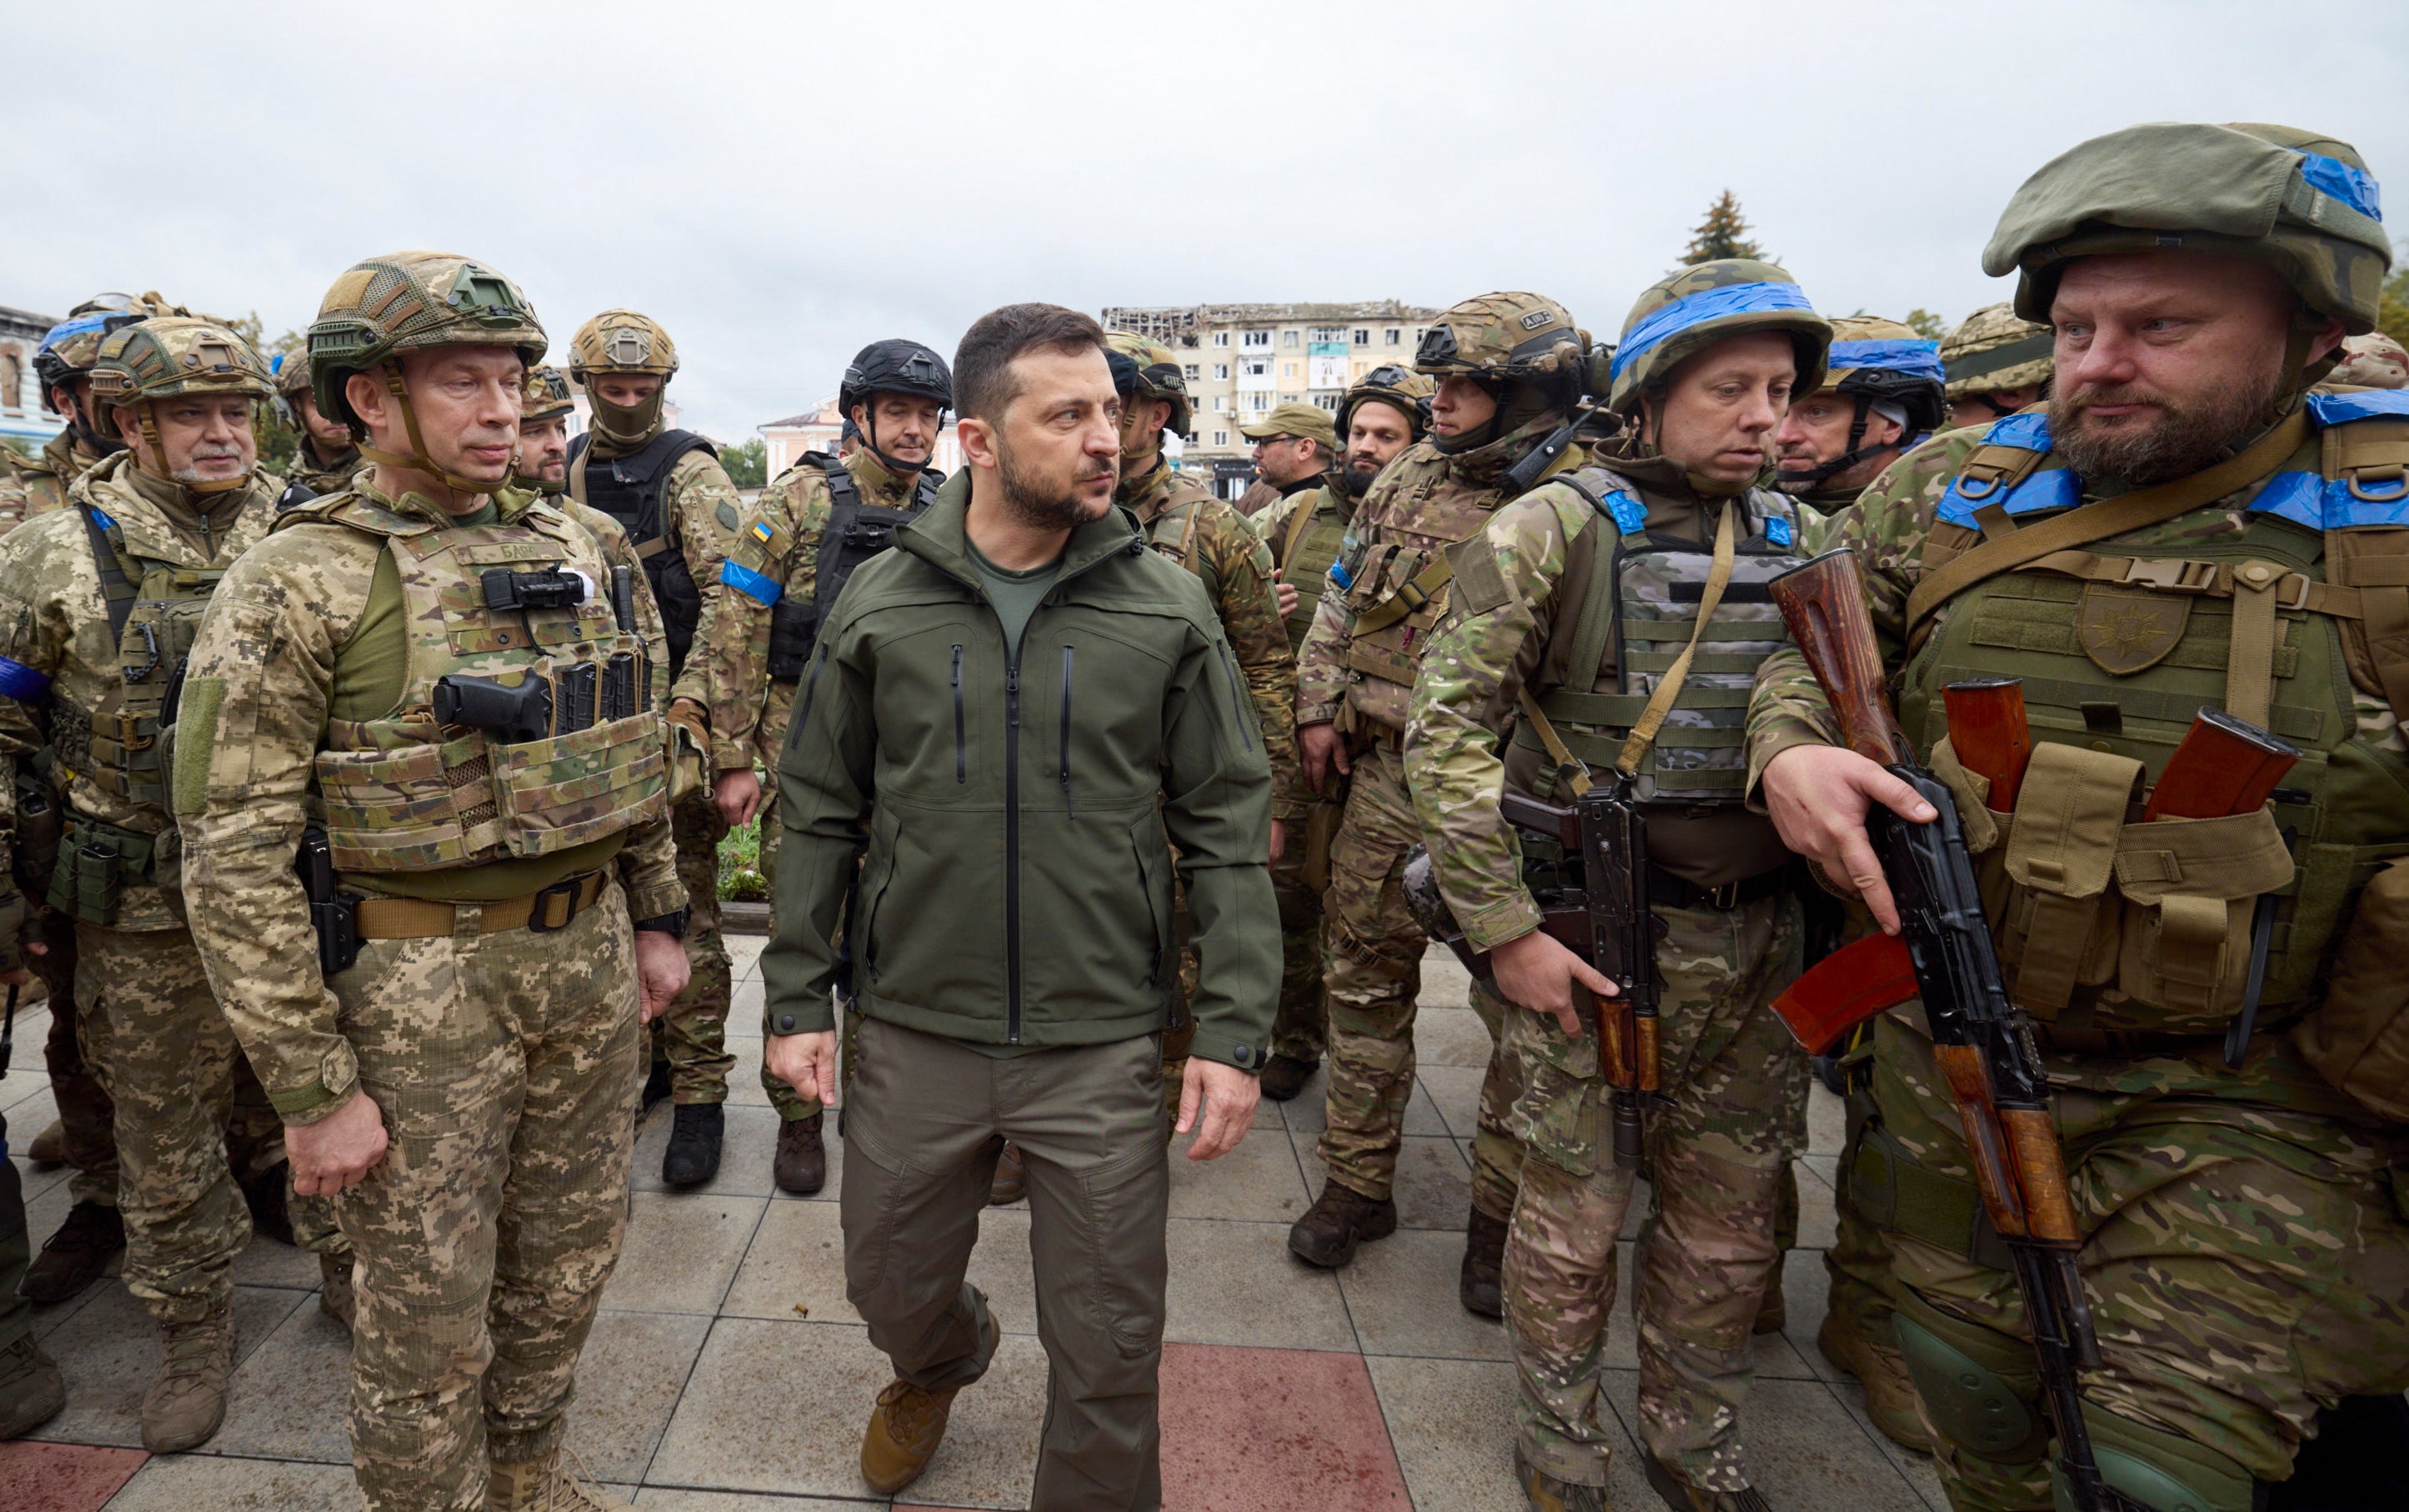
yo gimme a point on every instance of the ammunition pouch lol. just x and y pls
(2359, 1037)
(793, 627)
(41, 824)
(95, 862)
(1320, 828)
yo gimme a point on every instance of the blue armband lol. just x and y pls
(21, 681)
(753, 586)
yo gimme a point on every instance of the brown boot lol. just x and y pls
(32, 1390)
(1481, 1285)
(187, 1399)
(1284, 1076)
(904, 1431)
(49, 1146)
(1011, 1183)
(335, 1289)
(800, 1168)
(1773, 1308)
(546, 1484)
(1339, 1220)
(76, 1256)
(1881, 1370)
(1546, 1493)
(1683, 1497)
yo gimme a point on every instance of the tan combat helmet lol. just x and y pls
(169, 357)
(544, 394)
(1147, 367)
(1402, 389)
(621, 341)
(1502, 337)
(1995, 349)
(2371, 361)
(413, 301)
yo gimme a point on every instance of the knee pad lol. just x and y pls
(1979, 1387)
(2164, 1471)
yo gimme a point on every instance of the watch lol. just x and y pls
(672, 924)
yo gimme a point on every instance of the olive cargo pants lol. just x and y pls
(924, 1122)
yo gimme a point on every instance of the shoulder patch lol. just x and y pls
(726, 514)
(1478, 586)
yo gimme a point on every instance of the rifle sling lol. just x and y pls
(2082, 526)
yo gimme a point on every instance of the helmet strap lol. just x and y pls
(417, 461)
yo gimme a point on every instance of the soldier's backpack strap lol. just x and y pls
(1298, 524)
(115, 587)
(2371, 458)
(1595, 627)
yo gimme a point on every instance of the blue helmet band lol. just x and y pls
(2355, 187)
(1916, 359)
(1710, 304)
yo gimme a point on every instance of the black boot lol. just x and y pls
(656, 1087)
(75, 1257)
(1480, 1285)
(693, 1155)
(1339, 1221)
(801, 1165)
(1284, 1076)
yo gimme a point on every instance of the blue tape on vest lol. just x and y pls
(2334, 409)
(1777, 531)
(752, 584)
(2030, 431)
(102, 520)
(1339, 575)
(1917, 359)
(2050, 488)
(1630, 515)
(2355, 187)
(2297, 496)
(21, 681)
(1710, 304)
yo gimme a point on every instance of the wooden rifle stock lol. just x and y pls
(1823, 603)
(2224, 766)
(1988, 731)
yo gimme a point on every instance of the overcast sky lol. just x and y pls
(780, 183)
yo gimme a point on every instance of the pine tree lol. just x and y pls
(1723, 234)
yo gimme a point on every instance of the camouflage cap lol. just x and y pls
(1142, 365)
(413, 301)
(1507, 335)
(546, 393)
(1401, 388)
(2373, 360)
(1995, 349)
(1693, 309)
(2302, 204)
(622, 341)
(1310, 422)
(174, 355)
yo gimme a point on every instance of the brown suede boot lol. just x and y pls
(546, 1484)
(32, 1390)
(1881, 1370)
(1339, 1220)
(335, 1289)
(800, 1168)
(1284, 1076)
(187, 1399)
(76, 1256)
(1481, 1285)
(1011, 1183)
(1546, 1493)
(49, 1146)
(904, 1431)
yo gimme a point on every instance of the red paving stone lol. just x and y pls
(63, 1477)
(1252, 1430)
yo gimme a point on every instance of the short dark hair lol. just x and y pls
(983, 382)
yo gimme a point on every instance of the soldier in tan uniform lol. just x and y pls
(438, 691)
(667, 491)
(327, 456)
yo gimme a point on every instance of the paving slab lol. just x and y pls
(797, 1260)
(109, 1350)
(1401, 1293)
(1259, 1182)
(64, 1478)
(683, 1249)
(1451, 1421)
(634, 1369)
(1305, 1425)
(1236, 1283)
(180, 1482)
(1804, 1451)
(291, 1399)
(1432, 1187)
(1451, 1037)
(1423, 1116)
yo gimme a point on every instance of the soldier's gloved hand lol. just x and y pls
(338, 1151)
(662, 972)
(1227, 1097)
(1535, 971)
(1319, 748)
(738, 793)
(806, 1063)
(1819, 797)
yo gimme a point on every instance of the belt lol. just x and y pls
(419, 918)
(1678, 892)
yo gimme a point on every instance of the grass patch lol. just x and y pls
(740, 866)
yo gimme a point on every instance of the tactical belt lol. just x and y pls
(1680, 892)
(419, 918)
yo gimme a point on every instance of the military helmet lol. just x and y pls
(2302, 204)
(411, 301)
(1994, 349)
(1401, 388)
(1884, 361)
(292, 372)
(2371, 361)
(895, 366)
(173, 355)
(73, 345)
(1141, 366)
(1502, 337)
(1687, 312)
(622, 341)
(543, 393)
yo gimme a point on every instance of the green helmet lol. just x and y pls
(544, 394)
(2302, 204)
(1144, 367)
(1505, 336)
(1685, 312)
(1402, 389)
(622, 341)
(411, 301)
(172, 355)
(1995, 349)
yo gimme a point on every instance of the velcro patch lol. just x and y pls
(1480, 587)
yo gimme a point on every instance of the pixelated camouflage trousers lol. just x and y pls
(169, 1060)
(1301, 1027)
(1735, 1113)
(2245, 1262)
(692, 1036)
(1371, 962)
(505, 1065)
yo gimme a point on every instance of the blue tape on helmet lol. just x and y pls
(68, 330)
(21, 681)
(1630, 515)
(2355, 187)
(1710, 304)
(1917, 359)
(756, 587)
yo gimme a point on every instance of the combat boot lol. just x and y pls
(1683, 1497)
(32, 1390)
(187, 1399)
(49, 1146)
(1284, 1076)
(693, 1156)
(335, 1296)
(1481, 1285)
(75, 1256)
(801, 1164)
(1881, 1370)
(1546, 1493)
(546, 1484)
(904, 1431)
(1339, 1220)
(1011, 1183)
(1773, 1308)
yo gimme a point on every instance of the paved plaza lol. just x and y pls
(727, 1372)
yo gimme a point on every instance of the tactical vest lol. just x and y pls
(2107, 925)
(403, 793)
(1173, 530)
(629, 489)
(1641, 606)
(856, 532)
(1305, 551)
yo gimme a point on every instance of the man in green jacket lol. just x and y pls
(1020, 710)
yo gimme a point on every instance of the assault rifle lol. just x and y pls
(1984, 1051)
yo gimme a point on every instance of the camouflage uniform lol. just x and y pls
(320, 478)
(37, 485)
(2371, 361)
(1992, 351)
(2244, 1250)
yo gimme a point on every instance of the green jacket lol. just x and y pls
(1019, 816)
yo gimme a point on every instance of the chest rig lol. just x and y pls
(1307, 549)
(2291, 611)
(1637, 617)
(503, 603)
(629, 489)
(856, 532)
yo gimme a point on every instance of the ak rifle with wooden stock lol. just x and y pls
(1985, 1053)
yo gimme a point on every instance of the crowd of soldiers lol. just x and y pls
(1527, 564)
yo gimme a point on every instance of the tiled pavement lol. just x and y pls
(727, 1370)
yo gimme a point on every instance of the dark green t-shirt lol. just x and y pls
(1015, 594)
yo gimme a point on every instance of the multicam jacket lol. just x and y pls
(39, 484)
